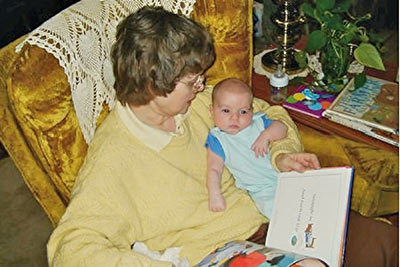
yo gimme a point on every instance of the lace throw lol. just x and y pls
(80, 37)
(259, 69)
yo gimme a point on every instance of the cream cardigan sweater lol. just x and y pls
(127, 191)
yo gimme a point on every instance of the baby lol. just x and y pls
(240, 142)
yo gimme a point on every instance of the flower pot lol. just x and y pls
(335, 61)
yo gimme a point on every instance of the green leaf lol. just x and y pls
(336, 87)
(324, 5)
(367, 55)
(351, 26)
(335, 22)
(297, 81)
(342, 6)
(307, 9)
(301, 58)
(359, 80)
(376, 38)
(347, 38)
(364, 38)
(316, 41)
(320, 16)
(381, 48)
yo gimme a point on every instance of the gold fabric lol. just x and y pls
(231, 25)
(41, 100)
(14, 141)
(46, 114)
(40, 131)
(376, 171)
(376, 186)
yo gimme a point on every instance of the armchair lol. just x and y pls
(40, 130)
(39, 125)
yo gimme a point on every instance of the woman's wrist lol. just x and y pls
(278, 160)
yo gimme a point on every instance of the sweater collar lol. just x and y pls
(154, 138)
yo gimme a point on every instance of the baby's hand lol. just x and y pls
(216, 203)
(260, 146)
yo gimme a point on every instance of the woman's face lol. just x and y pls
(179, 100)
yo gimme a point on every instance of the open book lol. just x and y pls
(308, 225)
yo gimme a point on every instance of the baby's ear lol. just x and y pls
(210, 108)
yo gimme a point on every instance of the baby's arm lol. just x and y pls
(215, 166)
(275, 131)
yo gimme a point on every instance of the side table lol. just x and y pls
(261, 89)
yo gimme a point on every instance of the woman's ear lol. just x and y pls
(150, 90)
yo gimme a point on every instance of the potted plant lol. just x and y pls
(338, 38)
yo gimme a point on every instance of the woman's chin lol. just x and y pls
(185, 109)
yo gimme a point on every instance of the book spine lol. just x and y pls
(301, 111)
(345, 228)
(330, 113)
(382, 138)
(361, 127)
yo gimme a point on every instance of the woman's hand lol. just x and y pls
(299, 162)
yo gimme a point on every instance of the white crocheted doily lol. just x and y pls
(258, 68)
(80, 37)
(314, 66)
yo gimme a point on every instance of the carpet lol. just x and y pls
(24, 227)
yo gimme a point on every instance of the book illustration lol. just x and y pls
(230, 250)
(248, 254)
(385, 110)
(375, 104)
(309, 102)
(308, 236)
(303, 237)
(306, 240)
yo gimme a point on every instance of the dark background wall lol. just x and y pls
(18, 17)
(385, 13)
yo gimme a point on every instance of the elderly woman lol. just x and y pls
(144, 177)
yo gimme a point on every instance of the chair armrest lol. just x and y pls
(14, 141)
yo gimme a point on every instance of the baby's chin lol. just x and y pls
(232, 131)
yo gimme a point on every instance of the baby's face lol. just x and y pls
(232, 111)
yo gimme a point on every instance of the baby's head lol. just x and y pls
(231, 107)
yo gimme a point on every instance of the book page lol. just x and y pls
(248, 254)
(310, 211)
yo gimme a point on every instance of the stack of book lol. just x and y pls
(372, 109)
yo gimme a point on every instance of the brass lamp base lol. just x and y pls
(271, 60)
(287, 20)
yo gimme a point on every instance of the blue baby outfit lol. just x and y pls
(256, 175)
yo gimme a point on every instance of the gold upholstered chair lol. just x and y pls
(40, 130)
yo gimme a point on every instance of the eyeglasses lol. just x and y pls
(198, 84)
